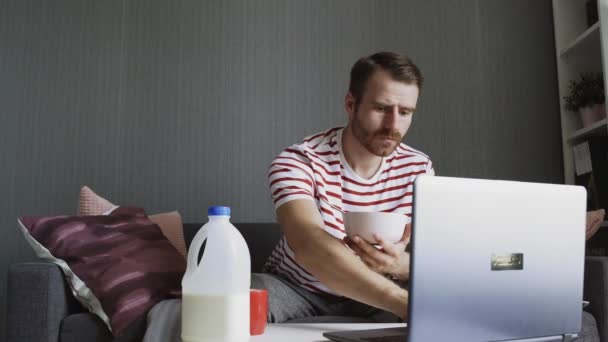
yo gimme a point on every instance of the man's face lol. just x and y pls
(384, 114)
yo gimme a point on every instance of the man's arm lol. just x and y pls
(326, 257)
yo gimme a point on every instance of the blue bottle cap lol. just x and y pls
(218, 211)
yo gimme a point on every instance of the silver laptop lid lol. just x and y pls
(495, 260)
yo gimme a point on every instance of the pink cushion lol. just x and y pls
(594, 221)
(172, 228)
(90, 203)
(121, 261)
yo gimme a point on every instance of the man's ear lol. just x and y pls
(350, 105)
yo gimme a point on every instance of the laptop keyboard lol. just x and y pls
(386, 339)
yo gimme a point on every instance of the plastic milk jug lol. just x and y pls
(215, 292)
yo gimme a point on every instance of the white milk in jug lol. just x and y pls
(215, 292)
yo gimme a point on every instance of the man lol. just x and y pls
(315, 269)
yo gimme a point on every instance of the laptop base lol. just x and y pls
(369, 335)
(401, 335)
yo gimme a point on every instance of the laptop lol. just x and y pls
(491, 260)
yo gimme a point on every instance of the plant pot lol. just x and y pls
(592, 114)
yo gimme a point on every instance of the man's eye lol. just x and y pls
(380, 108)
(404, 112)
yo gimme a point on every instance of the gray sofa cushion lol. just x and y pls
(589, 332)
(88, 327)
(38, 300)
(260, 237)
(84, 327)
(595, 285)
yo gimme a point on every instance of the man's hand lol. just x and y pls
(390, 259)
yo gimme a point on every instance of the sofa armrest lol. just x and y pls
(596, 291)
(38, 300)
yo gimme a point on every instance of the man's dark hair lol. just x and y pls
(400, 67)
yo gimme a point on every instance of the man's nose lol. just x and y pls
(391, 118)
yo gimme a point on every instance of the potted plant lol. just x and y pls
(587, 98)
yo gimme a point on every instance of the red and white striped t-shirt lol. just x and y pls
(317, 170)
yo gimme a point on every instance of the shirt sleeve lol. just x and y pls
(290, 177)
(430, 170)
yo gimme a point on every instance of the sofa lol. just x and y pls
(41, 307)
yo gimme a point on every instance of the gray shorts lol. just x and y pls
(290, 302)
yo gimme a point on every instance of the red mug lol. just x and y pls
(258, 313)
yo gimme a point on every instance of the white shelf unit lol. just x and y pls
(579, 49)
(597, 129)
(585, 44)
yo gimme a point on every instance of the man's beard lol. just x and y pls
(374, 141)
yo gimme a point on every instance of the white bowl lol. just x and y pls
(389, 226)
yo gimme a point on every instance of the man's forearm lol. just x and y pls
(338, 268)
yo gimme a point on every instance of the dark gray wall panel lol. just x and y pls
(183, 104)
(519, 129)
(59, 75)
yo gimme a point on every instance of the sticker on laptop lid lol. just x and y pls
(505, 262)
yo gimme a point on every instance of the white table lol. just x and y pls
(305, 332)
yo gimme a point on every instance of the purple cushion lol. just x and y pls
(118, 265)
